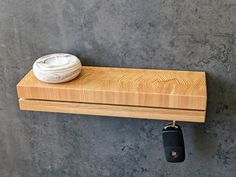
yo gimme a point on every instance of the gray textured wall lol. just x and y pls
(163, 34)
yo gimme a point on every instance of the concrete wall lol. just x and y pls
(163, 34)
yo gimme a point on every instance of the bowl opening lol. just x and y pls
(57, 61)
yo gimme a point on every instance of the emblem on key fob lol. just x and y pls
(173, 143)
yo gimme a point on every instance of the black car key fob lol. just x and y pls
(173, 143)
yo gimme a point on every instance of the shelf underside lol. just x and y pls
(121, 92)
(113, 110)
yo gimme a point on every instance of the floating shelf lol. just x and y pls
(121, 92)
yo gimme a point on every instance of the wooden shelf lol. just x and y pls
(122, 92)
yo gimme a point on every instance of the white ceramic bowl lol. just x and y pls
(57, 68)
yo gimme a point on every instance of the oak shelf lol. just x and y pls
(121, 92)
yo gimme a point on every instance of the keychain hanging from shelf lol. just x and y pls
(173, 142)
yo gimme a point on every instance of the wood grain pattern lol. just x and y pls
(122, 86)
(113, 110)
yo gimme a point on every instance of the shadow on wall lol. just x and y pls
(212, 139)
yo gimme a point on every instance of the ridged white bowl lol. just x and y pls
(57, 68)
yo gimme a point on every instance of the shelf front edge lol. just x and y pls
(123, 86)
(113, 110)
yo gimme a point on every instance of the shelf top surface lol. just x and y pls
(177, 87)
